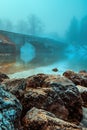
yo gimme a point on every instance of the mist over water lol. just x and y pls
(62, 20)
(44, 37)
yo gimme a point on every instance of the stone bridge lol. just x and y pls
(45, 48)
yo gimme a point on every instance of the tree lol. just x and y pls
(73, 31)
(8, 26)
(1, 24)
(22, 27)
(35, 25)
(83, 30)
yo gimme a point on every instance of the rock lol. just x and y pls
(38, 119)
(53, 93)
(44, 98)
(69, 95)
(55, 69)
(36, 81)
(82, 71)
(10, 111)
(16, 87)
(77, 78)
(3, 77)
(83, 122)
(83, 92)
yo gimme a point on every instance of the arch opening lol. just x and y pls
(27, 52)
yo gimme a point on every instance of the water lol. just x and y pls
(43, 62)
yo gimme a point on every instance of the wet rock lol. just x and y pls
(38, 119)
(10, 111)
(83, 92)
(45, 98)
(53, 93)
(82, 71)
(16, 87)
(77, 78)
(55, 69)
(36, 81)
(83, 122)
(3, 77)
(69, 95)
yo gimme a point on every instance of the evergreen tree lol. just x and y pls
(83, 30)
(73, 31)
(35, 25)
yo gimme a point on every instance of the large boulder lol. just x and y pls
(10, 111)
(53, 93)
(77, 78)
(38, 119)
(69, 95)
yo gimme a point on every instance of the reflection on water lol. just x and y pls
(27, 53)
(7, 58)
(28, 59)
(6, 62)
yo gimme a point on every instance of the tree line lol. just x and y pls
(31, 25)
(77, 31)
(76, 37)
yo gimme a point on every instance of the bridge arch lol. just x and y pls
(27, 52)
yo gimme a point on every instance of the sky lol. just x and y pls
(55, 14)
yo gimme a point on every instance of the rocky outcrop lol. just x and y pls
(38, 119)
(49, 102)
(10, 111)
(53, 93)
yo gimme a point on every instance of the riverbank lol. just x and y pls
(62, 66)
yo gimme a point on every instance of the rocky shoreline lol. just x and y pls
(44, 102)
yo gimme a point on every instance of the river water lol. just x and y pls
(28, 62)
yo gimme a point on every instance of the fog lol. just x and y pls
(55, 14)
(61, 20)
